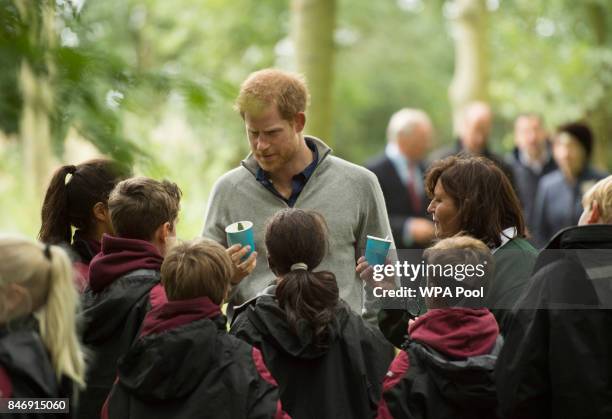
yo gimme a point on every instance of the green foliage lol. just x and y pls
(152, 82)
(546, 57)
(12, 40)
(399, 58)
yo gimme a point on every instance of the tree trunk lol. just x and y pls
(469, 30)
(313, 36)
(37, 94)
(599, 116)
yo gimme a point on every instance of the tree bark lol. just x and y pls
(599, 115)
(313, 24)
(470, 33)
(37, 94)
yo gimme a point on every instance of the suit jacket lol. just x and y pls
(526, 181)
(399, 204)
(457, 148)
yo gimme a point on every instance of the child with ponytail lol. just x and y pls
(40, 355)
(77, 196)
(327, 361)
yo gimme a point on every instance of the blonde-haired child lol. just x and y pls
(39, 348)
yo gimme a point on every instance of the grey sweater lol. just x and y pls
(348, 196)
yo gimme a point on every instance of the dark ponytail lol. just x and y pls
(55, 226)
(309, 297)
(294, 236)
(70, 203)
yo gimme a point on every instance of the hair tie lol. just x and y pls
(71, 169)
(47, 251)
(298, 266)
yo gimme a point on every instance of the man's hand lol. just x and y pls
(241, 269)
(421, 230)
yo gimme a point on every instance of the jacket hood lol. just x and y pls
(458, 332)
(459, 348)
(590, 246)
(119, 256)
(270, 320)
(174, 352)
(173, 314)
(23, 355)
(592, 236)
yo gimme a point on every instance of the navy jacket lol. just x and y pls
(558, 203)
(526, 181)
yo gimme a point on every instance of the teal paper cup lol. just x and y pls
(241, 232)
(376, 250)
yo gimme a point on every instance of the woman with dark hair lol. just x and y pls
(328, 362)
(558, 198)
(80, 201)
(472, 196)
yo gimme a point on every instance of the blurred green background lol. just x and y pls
(152, 82)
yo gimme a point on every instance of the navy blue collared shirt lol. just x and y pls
(297, 183)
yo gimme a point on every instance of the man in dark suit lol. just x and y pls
(531, 159)
(400, 171)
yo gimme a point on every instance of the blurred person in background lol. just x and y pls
(531, 159)
(474, 131)
(558, 197)
(400, 169)
(556, 359)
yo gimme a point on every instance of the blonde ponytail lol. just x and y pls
(57, 319)
(46, 272)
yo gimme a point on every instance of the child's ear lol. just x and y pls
(100, 212)
(594, 216)
(18, 301)
(165, 231)
(164, 237)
